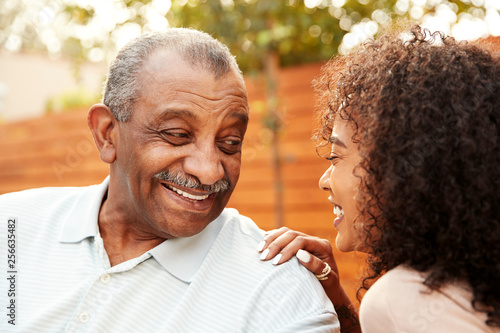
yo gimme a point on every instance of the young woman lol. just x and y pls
(412, 123)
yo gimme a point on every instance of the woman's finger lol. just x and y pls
(287, 244)
(315, 265)
(324, 271)
(270, 236)
(284, 244)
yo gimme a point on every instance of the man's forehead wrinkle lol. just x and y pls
(196, 93)
(241, 95)
(237, 113)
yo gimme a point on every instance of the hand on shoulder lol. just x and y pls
(317, 256)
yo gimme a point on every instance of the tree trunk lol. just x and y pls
(274, 123)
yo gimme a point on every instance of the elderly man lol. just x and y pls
(152, 248)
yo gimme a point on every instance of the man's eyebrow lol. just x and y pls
(241, 116)
(172, 113)
(334, 140)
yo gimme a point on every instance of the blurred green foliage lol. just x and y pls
(252, 29)
(71, 100)
(299, 31)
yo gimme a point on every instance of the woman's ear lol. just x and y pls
(103, 126)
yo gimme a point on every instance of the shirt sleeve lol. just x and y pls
(287, 302)
(323, 323)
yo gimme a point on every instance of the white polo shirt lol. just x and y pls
(211, 282)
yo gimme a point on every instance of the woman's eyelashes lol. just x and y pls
(332, 158)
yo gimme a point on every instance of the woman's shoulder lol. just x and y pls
(380, 308)
(400, 302)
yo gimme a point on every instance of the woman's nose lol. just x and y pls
(324, 181)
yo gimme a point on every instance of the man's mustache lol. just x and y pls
(184, 180)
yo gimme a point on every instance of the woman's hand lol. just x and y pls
(282, 244)
(315, 254)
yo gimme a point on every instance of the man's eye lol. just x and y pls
(175, 137)
(232, 142)
(230, 146)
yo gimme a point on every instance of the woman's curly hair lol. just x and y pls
(426, 110)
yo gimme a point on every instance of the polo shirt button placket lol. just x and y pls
(105, 278)
(84, 317)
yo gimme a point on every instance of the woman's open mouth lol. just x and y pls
(339, 211)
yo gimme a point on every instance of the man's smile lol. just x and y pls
(188, 195)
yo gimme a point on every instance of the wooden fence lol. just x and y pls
(58, 150)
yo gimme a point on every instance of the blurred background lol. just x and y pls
(54, 56)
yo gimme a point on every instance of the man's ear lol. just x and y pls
(103, 126)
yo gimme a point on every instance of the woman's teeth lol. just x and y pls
(338, 211)
(187, 195)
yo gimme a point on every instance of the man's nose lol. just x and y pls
(205, 163)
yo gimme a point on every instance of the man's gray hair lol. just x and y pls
(197, 48)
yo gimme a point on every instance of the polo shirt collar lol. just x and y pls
(81, 221)
(181, 257)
